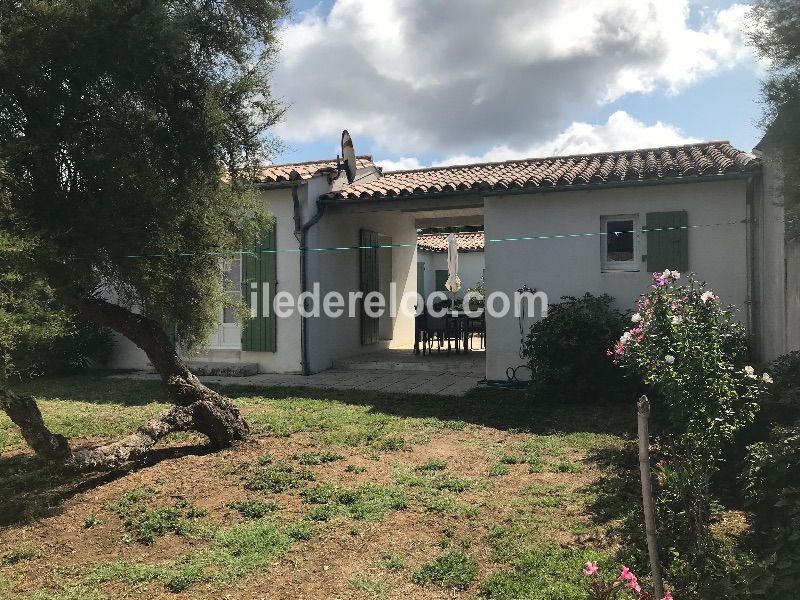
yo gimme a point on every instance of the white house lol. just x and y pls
(560, 224)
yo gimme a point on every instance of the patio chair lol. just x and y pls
(443, 329)
(477, 326)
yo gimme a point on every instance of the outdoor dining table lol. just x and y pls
(462, 328)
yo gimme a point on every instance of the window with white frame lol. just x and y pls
(620, 242)
(232, 285)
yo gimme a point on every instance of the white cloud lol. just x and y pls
(401, 164)
(620, 132)
(436, 77)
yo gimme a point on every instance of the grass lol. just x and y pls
(232, 553)
(366, 502)
(18, 554)
(276, 478)
(391, 562)
(453, 570)
(373, 587)
(499, 516)
(316, 458)
(147, 524)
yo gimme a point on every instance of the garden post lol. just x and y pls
(643, 411)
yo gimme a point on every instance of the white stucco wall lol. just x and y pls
(126, 354)
(470, 268)
(778, 263)
(287, 358)
(331, 339)
(572, 266)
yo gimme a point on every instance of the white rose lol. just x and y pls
(636, 318)
(749, 372)
(766, 378)
(669, 359)
(625, 338)
(676, 275)
(666, 274)
(677, 320)
(707, 296)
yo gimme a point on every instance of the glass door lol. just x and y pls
(228, 334)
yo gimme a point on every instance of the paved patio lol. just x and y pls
(388, 371)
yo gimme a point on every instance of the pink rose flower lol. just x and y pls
(590, 569)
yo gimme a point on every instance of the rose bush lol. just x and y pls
(625, 586)
(692, 353)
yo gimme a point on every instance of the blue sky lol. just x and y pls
(418, 83)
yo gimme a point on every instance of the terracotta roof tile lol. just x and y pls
(702, 160)
(471, 241)
(305, 170)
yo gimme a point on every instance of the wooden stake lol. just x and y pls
(643, 411)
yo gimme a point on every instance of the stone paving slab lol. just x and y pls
(441, 383)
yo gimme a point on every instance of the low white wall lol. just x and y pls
(572, 266)
(470, 268)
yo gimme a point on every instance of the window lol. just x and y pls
(232, 284)
(620, 242)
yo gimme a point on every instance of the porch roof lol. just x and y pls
(469, 241)
(692, 162)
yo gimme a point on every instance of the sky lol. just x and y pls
(422, 83)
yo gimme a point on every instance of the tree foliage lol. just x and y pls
(775, 35)
(130, 132)
(132, 128)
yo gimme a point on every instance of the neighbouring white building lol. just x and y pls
(561, 225)
(432, 261)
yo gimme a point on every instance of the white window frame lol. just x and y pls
(230, 291)
(632, 265)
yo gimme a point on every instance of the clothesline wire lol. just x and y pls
(560, 236)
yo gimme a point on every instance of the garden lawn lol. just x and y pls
(337, 495)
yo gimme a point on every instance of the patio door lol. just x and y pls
(228, 334)
(369, 282)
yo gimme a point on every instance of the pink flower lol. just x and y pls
(590, 569)
(667, 596)
(634, 585)
(626, 574)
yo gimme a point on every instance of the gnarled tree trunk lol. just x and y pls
(197, 407)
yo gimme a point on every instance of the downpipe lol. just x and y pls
(301, 233)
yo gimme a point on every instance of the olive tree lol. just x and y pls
(775, 35)
(129, 135)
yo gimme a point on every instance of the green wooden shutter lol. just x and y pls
(667, 241)
(441, 279)
(260, 333)
(369, 282)
(421, 279)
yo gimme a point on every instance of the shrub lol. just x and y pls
(773, 493)
(82, 346)
(786, 371)
(691, 352)
(566, 350)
